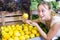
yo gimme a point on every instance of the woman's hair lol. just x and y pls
(44, 3)
(49, 7)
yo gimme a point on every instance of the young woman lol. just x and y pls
(52, 22)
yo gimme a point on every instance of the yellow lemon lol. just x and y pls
(2, 28)
(20, 30)
(22, 33)
(32, 35)
(6, 29)
(9, 27)
(22, 38)
(10, 39)
(4, 39)
(26, 36)
(11, 32)
(26, 24)
(6, 36)
(16, 38)
(12, 26)
(34, 31)
(35, 28)
(16, 33)
(30, 28)
(25, 29)
(25, 16)
(19, 27)
(37, 34)
(29, 32)
(3, 33)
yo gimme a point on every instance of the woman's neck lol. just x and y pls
(48, 22)
(50, 18)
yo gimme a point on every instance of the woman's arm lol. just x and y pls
(51, 32)
(43, 34)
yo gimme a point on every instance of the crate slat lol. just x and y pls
(13, 22)
(12, 14)
(7, 19)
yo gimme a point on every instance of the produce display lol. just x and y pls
(19, 32)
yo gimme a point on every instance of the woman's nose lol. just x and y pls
(41, 14)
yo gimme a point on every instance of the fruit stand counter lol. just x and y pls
(18, 31)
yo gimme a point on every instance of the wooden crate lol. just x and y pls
(8, 18)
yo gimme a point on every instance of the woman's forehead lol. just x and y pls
(43, 6)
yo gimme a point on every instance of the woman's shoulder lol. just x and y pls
(55, 19)
(56, 16)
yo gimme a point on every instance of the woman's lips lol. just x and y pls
(42, 16)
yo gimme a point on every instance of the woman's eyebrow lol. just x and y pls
(45, 6)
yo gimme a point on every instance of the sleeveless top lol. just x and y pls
(56, 19)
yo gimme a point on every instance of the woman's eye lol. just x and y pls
(42, 10)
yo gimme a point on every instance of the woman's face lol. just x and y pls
(44, 12)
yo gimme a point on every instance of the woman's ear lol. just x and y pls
(50, 10)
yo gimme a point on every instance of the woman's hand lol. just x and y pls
(31, 23)
(28, 21)
(34, 24)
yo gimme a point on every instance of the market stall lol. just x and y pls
(12, 14)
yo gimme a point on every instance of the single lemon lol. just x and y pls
(10, 39)
(25, 16)
(26, 36)
(37, 34)
(16, 38)
(34, 31)
(32, 35)
(16, 33)
(22, 38)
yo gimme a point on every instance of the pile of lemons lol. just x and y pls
(19, 32)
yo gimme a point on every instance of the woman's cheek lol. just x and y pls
(43, 18)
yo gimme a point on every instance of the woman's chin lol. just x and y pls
(43, 19)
